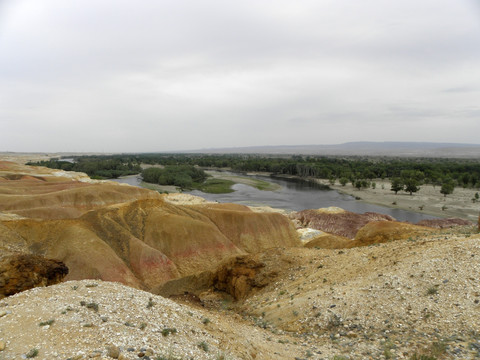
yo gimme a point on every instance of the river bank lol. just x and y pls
(428, 200)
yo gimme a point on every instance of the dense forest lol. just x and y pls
(104, 167)
(405, 173)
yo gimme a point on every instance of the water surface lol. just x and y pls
(296, 195)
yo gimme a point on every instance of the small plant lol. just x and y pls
(334, 321)
(45, 323)
(205, 321)
(75, 287)
(432, 290)
(438, 348)
(127, 323)
(295, 313)
(422, 357)
(203, 345)
(93, 306)
(150, 303)
(168, 331)
(32, 353)
(143, 326)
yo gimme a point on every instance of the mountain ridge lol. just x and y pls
(366, 148)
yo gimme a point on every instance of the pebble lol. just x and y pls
(113, 351)
(3, 313)
(2, 345)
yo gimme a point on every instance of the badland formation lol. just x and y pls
(95, 269)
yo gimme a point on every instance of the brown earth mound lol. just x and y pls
(20, 272)
(384, 231)
(342, 223)
(329, 241)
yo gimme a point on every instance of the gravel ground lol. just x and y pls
(94, 319)
(395, 300)
(389, 301)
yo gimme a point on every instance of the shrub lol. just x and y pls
(168, 331)
(432, 290)
(203, 345)
(45, 323)
(31, 354)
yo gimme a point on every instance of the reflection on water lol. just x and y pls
(296, 195)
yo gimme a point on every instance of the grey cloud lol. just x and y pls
(144, 73)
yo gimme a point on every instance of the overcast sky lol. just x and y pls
(158, 75)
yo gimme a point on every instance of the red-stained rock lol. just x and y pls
(339, 222)
(444, 223)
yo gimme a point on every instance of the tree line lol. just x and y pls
(406, 174)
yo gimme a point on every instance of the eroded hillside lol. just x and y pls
(363, 287)
(103, 231)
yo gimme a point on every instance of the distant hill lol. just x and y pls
(406, 149)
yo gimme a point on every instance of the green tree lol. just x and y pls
(397, 185)
(411, 186)
(447, 187)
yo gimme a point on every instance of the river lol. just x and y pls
(296, 195)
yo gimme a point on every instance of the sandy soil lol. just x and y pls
(427, 200)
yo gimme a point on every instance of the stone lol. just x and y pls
(351, 335)
(113, 351)
(2, 345)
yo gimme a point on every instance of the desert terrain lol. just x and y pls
(95, 269)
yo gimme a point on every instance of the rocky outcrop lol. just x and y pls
(239, 276)
(20, 272)
(336, 221)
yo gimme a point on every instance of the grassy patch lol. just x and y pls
(216, 186)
